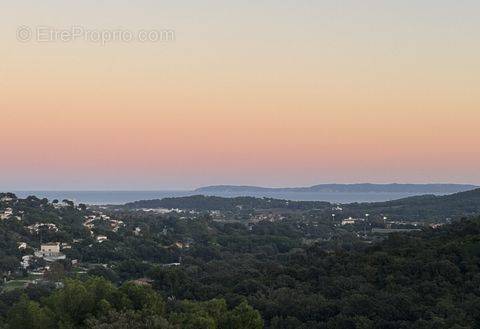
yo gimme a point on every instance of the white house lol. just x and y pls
(101, 238)
(65, 245)
(22, 245)
(26, 261)
(6, 213)
(350, 221)
(38, 226)
(6, 199)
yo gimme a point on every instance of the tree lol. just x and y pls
(143, 298)
(244, 317)
(28, 315)
(73, 303)
(8, 263)
(128, 320)
(56, 272)
(68, 202)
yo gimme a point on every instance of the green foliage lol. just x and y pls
(244, 317)
(214, 314)
(407, 281)
(202, 202)
(128, 320)
(143, 299)
(26, 314)
(98, 304)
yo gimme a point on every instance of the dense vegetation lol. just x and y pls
(98, 304)
(456, 205)
(284, 269)
(201, 202)
(426, 280)
(426, 207)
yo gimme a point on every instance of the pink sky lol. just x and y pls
(315, 94)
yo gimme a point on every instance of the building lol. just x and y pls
(351, 221)
(50, 248)
(142, 282)
(25, 263)
(6, 198)
(101, 238)
(37, 227)
(7, 213)
(22, 245)
(50, 252)
(65, 245)
(393, 230)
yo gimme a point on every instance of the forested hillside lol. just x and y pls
(279, 269)
(423, 280)
(464, 204)
(201, 202)
(426, 207)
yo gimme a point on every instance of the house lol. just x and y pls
(50, 252)
(65, 245)
(181, 245)
(101, 238)
(351, 221)
(142, 282)
(116, 224)
(393, 230)
(22, 245)
(60, 205)
(36, 227)
(25, 263)
(50, 247)
(6, 198)
(7, 213)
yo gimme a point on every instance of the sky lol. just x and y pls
(271, 93)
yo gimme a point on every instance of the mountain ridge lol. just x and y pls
(343, 188)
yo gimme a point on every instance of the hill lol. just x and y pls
(344, 188)
(206, 203)
(425, 207)
(463, 204)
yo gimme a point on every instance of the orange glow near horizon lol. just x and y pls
(288, 101)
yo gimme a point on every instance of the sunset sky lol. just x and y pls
(273, 93)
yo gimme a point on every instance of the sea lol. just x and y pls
(122, 197)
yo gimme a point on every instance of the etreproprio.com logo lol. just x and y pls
(47, 34)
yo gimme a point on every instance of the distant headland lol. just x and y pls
(343, 188)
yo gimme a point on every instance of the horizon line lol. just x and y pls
(192, 189)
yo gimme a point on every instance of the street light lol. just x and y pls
(365, 225)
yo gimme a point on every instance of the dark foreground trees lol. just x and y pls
(98, 304)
